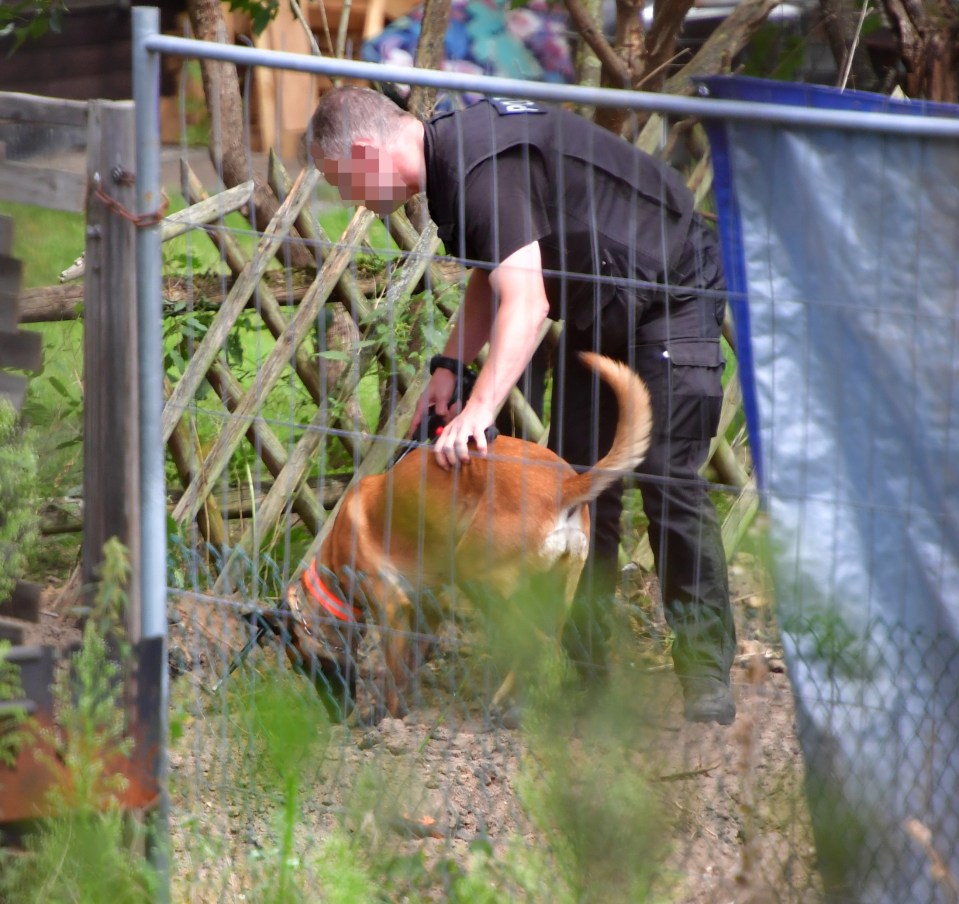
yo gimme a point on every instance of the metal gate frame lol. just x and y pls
(148, 47)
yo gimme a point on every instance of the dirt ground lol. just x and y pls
(729, 799)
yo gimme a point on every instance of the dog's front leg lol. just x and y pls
(395, 627)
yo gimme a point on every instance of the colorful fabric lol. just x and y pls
(485, 37)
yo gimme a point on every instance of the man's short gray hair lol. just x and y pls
(346, 114)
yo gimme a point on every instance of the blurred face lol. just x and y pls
(368, 176)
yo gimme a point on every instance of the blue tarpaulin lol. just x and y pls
(842, 255)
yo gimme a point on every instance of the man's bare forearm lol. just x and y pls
(515, 330)
(474, 322)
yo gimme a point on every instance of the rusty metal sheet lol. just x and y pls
(24, 790)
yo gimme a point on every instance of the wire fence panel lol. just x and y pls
(383, 687)
(852, 384)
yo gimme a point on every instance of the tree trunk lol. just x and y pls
(661, 42)
(228, 145)
(840, 19)
(589, 70)
(641, 61)
(717, 54)
(429, 55)
(929, 44)
(630, 45)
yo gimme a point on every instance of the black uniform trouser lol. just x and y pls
(674, 347)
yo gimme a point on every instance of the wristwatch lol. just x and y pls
(454, 366)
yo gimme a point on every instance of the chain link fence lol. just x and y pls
(287, 384)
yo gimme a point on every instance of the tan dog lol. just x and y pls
(514, 519)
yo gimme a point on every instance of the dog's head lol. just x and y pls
(324, 636)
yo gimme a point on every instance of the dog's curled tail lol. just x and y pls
(633, 430)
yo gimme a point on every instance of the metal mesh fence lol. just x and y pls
(486, 762)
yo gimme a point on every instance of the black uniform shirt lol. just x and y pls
(609, 218)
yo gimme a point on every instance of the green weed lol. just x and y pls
(90, 852)
(19, 524)
(12, 722)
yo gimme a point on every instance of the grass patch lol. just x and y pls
(47, 241)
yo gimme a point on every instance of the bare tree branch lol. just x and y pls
(429, 54)
(614, 69)
(839, 25)
(929, 46)
(228, 145)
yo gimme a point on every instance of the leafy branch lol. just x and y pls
(28, 20)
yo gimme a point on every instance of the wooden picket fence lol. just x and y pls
(331, 385)
(201, 470)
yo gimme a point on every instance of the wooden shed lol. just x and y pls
(90, 58)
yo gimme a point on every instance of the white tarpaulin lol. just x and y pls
(842, 252)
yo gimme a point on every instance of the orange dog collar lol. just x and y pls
(326, 598)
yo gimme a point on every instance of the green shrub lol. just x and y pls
(12, 734)
(90, 852)
(19, 522)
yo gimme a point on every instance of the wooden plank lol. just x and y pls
(11, 277)
(49, 304)
(22, 350)
(13, 388)
(375, 18)
(243, 288)
(209, 210)
(81, 27)
(278, 359)
(269, 307)
(94, 60)
(268, 446)
(111, 458)
(6, 235)
(11, 632)
(36, 664)
(31, 108)
(740, 517)
(118, 84)
(39, 769)
(42, 187)
(264, 96)
(24, 602)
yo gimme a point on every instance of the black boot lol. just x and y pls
(708, 700)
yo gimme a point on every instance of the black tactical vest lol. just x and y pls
(619, 218)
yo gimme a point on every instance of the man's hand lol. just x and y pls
(437, 396)
(453, 443)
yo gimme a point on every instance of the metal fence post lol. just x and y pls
(149, 201)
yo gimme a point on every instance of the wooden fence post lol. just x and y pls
(110, 436)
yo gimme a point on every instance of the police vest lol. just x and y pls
(615, 211)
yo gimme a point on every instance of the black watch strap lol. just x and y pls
(453, 365)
